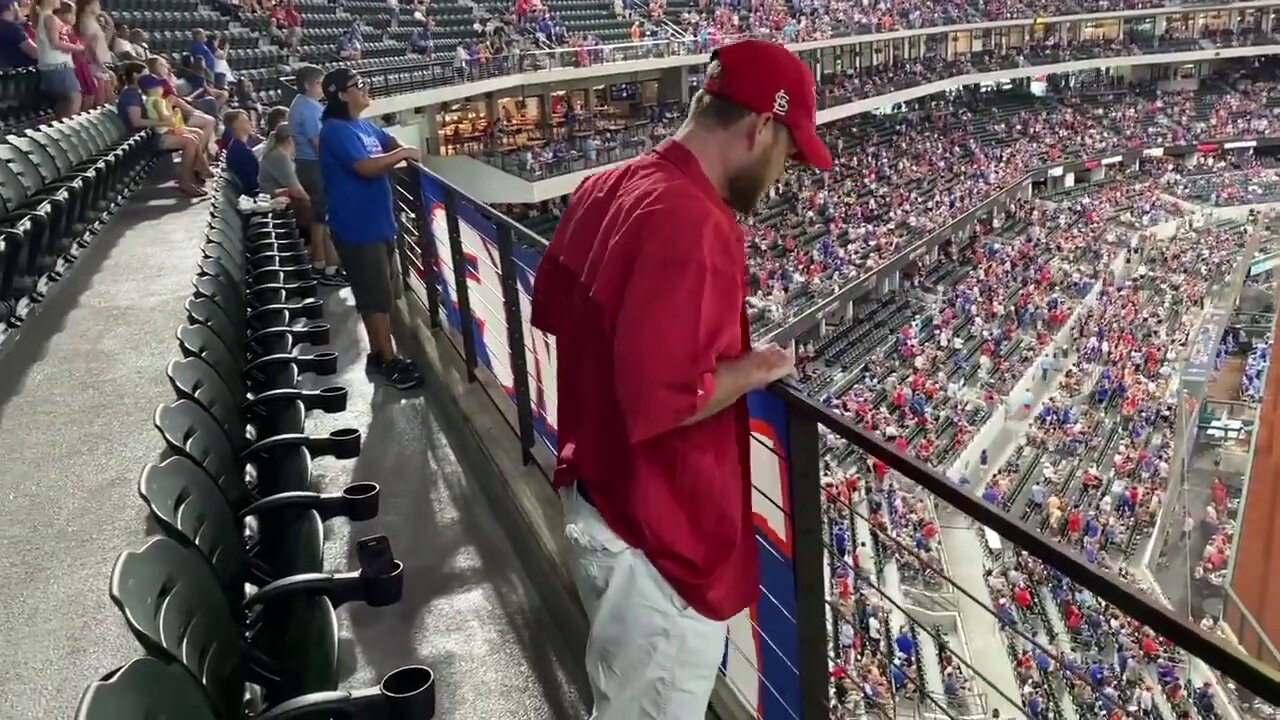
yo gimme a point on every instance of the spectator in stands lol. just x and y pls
(80, 63)
(277, 175)
(196, 117)
(200, 47)
(16, 49)
(240, 159)
(304, 119)
(348, 47)
(122, 48)
(89, 24)
(54, 49)
(199, 78)
(355, 158)
(651, 396)
(286, 24)
(246, 98)
(275, 116)
(223, 75)
(130, 105)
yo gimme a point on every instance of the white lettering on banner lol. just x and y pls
(1112, 160)
(1240, 145)
(1056, 172)
(1153, 152)
(781, 103)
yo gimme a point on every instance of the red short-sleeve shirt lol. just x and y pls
(643, 289)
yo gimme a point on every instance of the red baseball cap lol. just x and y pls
(765, 77)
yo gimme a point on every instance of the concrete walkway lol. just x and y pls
(78, 387)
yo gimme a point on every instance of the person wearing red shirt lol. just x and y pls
(643, 288)
(1022, 597)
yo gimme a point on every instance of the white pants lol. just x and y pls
(649, 655)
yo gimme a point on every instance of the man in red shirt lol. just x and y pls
(643, 288)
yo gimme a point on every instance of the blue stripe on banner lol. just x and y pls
(762, 659)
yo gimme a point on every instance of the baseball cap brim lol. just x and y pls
(810, 150)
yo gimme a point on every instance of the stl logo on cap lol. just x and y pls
(781, 103)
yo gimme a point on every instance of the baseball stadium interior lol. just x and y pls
(1027, 469)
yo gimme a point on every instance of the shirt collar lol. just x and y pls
(684, 161)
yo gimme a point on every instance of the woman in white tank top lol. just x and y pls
(53, 58)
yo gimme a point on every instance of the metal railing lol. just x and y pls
(468, 273)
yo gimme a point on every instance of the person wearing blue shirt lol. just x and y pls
(905, 644)
(240, 159)
(16, 49)
(200, 48)
(355, 157)
(305, 113)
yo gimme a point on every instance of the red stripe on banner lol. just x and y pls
(1207, 147)
(1090, 164)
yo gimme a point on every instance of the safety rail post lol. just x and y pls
(427, 253)
(808, 556)
(460, 289)
(513, 316)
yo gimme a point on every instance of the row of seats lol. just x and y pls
(231, 602)
(59, 183)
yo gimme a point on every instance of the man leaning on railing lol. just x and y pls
(642, 286)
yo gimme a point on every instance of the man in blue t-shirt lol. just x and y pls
(355, 158)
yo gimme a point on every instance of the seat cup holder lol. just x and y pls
(361, 501)
(332, 399)
(316, 334)
(409, 693)
(321, 363)
(309, 309)
(384, 590)
(343, 444)
(304, 289)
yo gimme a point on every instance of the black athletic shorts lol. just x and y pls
(373, 272)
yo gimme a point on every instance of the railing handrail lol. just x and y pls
(1258, 678)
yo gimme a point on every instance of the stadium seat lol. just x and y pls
(128, 693)
(58, 184)
(232, 604)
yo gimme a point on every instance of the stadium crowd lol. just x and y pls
(1091, 470)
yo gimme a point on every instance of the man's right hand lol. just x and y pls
(409, 152)
(767, 364)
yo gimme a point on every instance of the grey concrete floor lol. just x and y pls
(78, 387)
(470, 610)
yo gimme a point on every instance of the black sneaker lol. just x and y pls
(398, 372)
(334, 279)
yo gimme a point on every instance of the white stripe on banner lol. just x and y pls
(1153, 152)
(1239, 144)
(1112, 160)
(1056, 172)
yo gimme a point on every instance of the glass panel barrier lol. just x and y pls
(887, 586)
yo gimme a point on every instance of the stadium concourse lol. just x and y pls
(1034, 360)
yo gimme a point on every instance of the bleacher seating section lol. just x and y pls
(231, 500)
(59, 183)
